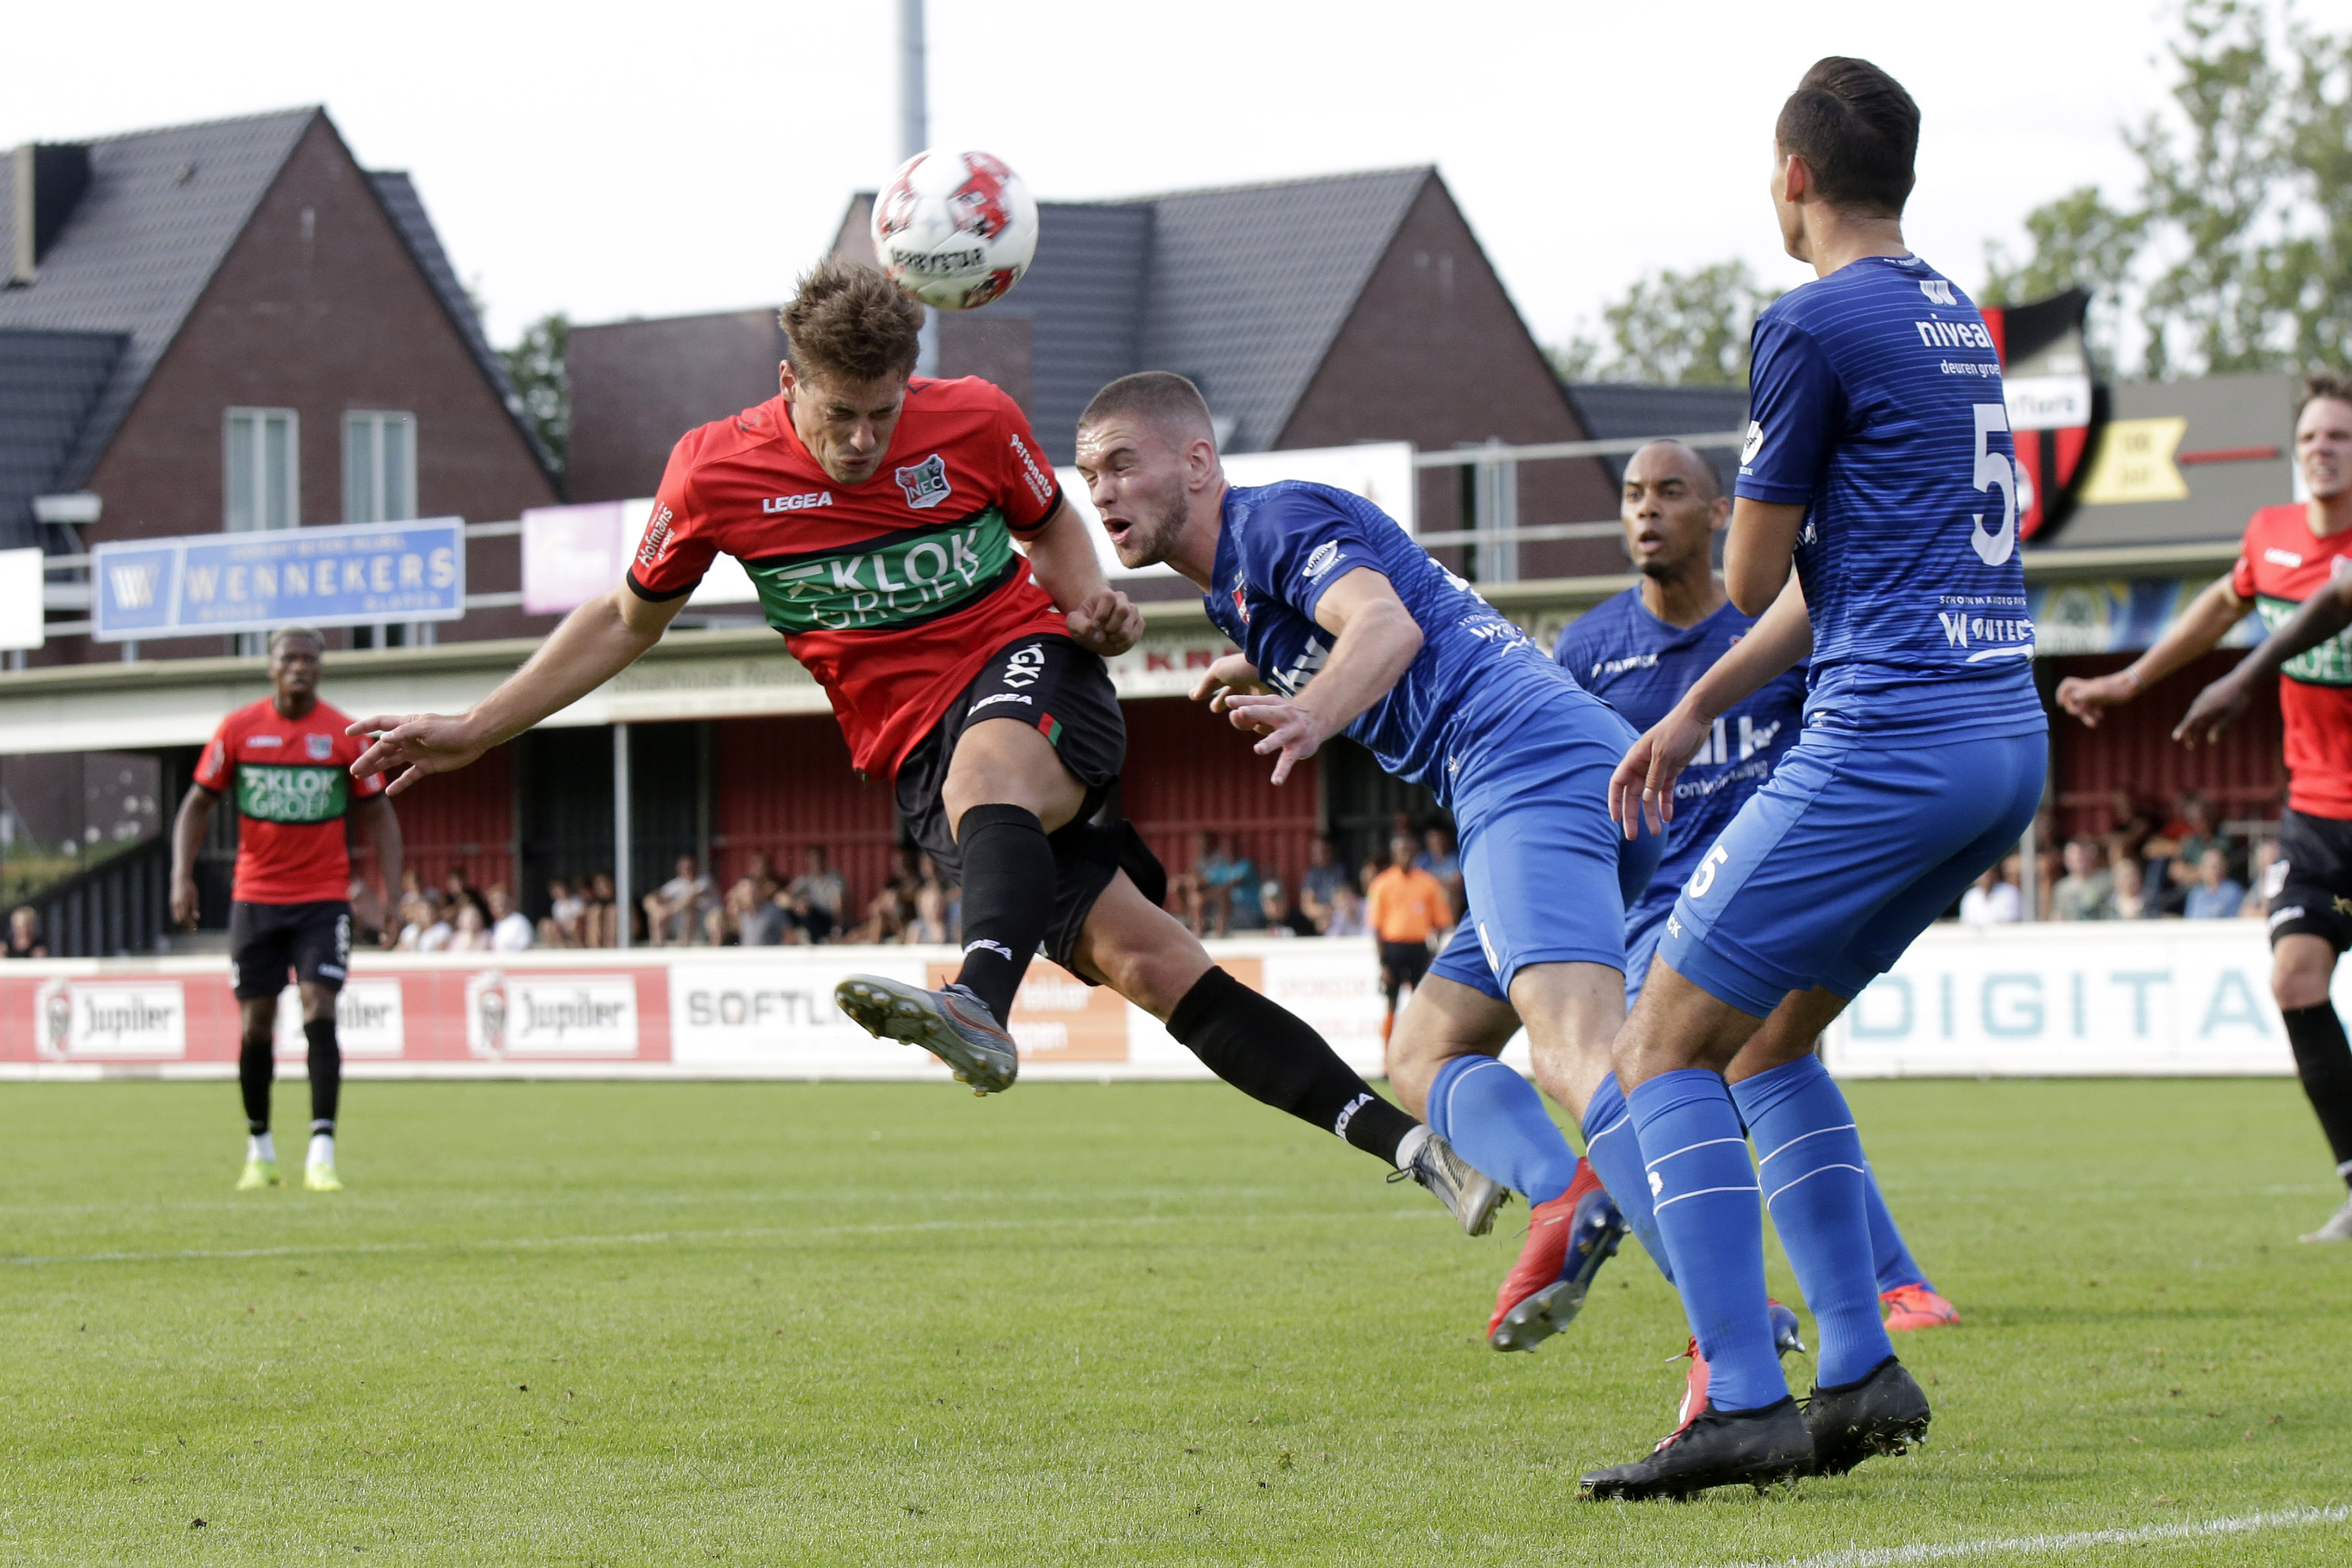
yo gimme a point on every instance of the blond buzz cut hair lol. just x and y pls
(1161, 398)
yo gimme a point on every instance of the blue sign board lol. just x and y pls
(354, 574)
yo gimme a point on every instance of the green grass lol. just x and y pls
(1138, 1324)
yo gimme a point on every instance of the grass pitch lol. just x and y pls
(1138, 1324)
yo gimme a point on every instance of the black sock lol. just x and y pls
(1008, 897)
(1270, 1053)
(2323, 1059)
(253, 1071)
(326, 1072)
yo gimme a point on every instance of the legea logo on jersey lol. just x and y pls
(796, 503)
(926, 483)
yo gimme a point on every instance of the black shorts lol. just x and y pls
(1062, 691)
(1403, 963)
(265, 940)
(2310, 883)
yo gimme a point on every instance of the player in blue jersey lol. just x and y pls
(1639, 652)
(1878, 461)
(1347, 626)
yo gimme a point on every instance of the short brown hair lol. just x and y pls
(1161, 396)
(1857, 129)
(2324, 384)
(848, 321)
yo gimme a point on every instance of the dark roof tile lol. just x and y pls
(48, 382)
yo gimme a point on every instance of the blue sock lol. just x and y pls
(1704, 1189)
(1495, 1120)
(1810, 1159)
(1616, 1156)
(1894, 1264)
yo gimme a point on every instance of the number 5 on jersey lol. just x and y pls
(1993, 468)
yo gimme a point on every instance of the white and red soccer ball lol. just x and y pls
(955, 229)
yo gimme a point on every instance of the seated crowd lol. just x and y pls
(2189, 868)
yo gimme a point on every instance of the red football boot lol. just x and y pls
(1568, 1241)
(1787, 1336)
(1912, 1307)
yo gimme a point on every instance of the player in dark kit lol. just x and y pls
(1878, 464)
(2296, 570)
(909, 538)
(286, 759)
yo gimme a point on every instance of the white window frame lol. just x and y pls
(363, 431)
(256, 436)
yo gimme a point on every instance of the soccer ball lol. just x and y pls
(955, 229)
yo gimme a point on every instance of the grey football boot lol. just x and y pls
(1469, 1194)
(952, 1024)
(2338, 1226)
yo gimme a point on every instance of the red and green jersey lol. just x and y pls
(2281, 564)
(292, 780)
(893, 593)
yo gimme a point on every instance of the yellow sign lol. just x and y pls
(2134, 463)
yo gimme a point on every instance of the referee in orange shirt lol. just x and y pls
(1409, 916)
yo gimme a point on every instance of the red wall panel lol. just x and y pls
(786, 783)
(2245, 776)
(1190, 771)
(463, 819)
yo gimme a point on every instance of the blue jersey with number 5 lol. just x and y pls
(1875, 401)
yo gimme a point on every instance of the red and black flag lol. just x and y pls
(2056, 407)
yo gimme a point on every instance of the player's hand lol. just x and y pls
(406, 746)
(184, 904)
(2217, 707)
(1292, 733)
(1643, 782)
(1233, 675)
(2089, 696)
(1106, 624)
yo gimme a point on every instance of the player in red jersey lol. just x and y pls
(286, 757)
(909, 538)
(2296, 568)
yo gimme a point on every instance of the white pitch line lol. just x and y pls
(659, 1237)
(1950, 1550)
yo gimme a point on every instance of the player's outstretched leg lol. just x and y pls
(255, 1071)
(2323, 1061)
(952, 1024)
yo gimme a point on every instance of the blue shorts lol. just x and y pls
(1546, 873)
(1846, 855)
(1641, 946)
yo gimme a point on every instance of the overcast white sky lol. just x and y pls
(658, 160)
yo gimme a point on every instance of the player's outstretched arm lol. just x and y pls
(1375, 638)
(1646, 778)
(1061, 558)
(2196, 633)
(2216, 706)
(595, 643)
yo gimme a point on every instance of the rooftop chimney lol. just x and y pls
(47, 182)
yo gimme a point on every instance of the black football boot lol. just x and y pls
(1886, 1412)
(1717, 1448)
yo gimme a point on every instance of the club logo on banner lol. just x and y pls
(146, 1020)
(551, 1016)
(2056, 409)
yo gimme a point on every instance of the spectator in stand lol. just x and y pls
(2262, 873)
(560, 927)
(885, 916)
(2128, 899)
(509, 927)
(427, 928)
(2182, 841)
(821, 885)
(2082, 893)
(761, 915)
(2216, 896)
(930, 920)
(24, 933)
(1347, 912)
(2049, 864)
(2128, 827)
(1247, 901)
(470, 932)
(1992, 902)
(674, 911)
(2168, 900)
(1440, 859)
(1411, 915)
(1322, 877)
(600, 922)
(457, 889)
(1281, 919)
(1228, 882)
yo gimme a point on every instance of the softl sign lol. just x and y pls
(354, 574)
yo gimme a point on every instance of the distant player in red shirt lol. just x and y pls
(907, 537)
(2296, 569)
(287, 759)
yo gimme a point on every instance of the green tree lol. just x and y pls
(2077, 239)
(1677, 328)
(2314, 285)
(535, 366)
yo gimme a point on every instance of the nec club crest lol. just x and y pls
(320, 747)
(2056, 407)
(926, 483)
